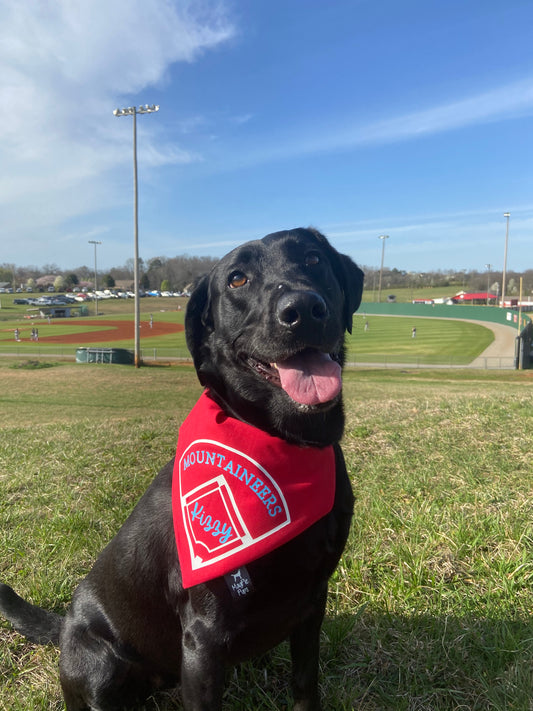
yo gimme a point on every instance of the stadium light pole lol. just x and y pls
(382, 238)
(507, 215)
(93, 241)
(488, 268)
(133, 111)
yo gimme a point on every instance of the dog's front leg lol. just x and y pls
(202, 668)
(305, 652)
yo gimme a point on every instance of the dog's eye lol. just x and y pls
(237, 279)
(312, 259)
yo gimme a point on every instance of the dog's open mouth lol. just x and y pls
(309, 378)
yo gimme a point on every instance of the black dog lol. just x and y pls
(266, 330)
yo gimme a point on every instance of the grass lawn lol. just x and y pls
(431, 605)
(406, 294)
(110, 308)
(164, 310)
(437, 340)
(388, 339)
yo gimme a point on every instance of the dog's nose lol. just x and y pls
(298, 308)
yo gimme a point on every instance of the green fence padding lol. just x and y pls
(507, 317)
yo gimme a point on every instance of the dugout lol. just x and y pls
(63, 311)
(121, 356)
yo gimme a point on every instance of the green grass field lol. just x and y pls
(437, 340)
(430, 608)
(388, 339)
(168, 345)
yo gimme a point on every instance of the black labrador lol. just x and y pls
(266, 331)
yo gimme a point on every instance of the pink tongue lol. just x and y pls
(310, 378)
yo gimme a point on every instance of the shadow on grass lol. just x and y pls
(374, 662)
(382, 662)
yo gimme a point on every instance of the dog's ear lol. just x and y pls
(198, 318)
(351, 280)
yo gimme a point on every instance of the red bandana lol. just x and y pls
(239, 493)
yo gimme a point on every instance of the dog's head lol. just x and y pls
(266, 332)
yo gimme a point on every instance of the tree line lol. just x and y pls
(178, 273)
(162, 273)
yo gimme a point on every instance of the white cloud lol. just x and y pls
(466, 239)
(501, 103)
(65, 66)
(242, 119)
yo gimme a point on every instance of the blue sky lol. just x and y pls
(360, 117)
